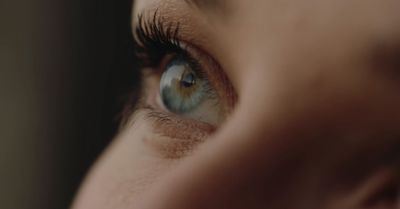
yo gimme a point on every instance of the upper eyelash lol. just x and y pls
(154, 39)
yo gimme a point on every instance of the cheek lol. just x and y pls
(123, 172)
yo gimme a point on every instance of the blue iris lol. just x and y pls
(182, 90)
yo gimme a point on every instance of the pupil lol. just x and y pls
(188, 80)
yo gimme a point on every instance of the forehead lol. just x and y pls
(206, 4)
(219, 7)
(140, 5)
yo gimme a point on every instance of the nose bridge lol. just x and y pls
(244, 41)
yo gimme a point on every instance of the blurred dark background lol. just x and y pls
(63, 66)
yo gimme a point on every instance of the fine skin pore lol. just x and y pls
(314, 121)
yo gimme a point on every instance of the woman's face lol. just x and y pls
(258, 104)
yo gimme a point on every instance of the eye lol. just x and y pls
(186, 91)
(182, 85)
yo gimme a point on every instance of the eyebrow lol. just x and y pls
(210, 6)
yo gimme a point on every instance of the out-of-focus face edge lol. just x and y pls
(309, 121)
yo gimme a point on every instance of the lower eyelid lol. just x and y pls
(175, 137)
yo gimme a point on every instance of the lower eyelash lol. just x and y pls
(182, 134)
(177, 127)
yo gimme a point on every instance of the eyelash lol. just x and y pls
(154, 40)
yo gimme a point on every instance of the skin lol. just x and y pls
(316, 123)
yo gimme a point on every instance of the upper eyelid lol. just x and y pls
(155, 26)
